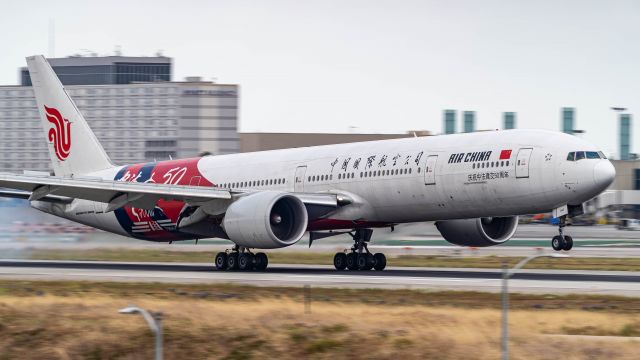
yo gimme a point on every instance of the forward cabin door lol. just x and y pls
(430, 170)
(298, 181)
(522, 162)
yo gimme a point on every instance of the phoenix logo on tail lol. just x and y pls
(60, 133)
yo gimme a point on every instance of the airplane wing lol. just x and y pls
(119, 193)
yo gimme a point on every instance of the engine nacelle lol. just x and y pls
(266, 220)
(480, 232)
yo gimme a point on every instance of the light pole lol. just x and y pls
(154, 320)
(506, 274)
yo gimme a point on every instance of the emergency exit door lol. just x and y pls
(298, 181)
(430, 170)
(522, 162)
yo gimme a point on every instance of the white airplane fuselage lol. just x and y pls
(482, 174)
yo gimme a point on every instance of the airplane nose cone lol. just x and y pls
(603, 174)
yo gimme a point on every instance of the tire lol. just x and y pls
(568, 243)
(352, 263)
(370, 262)
(261, 261)
(556, 243)
(221, 261)
(340, 261)
(245, 262)
(380, 261)
(362, 262)
(232, 261)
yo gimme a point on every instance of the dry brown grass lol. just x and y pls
(86, 325)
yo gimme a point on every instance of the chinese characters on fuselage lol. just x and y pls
(383, 161)
(491, 175)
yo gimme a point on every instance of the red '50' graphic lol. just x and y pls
(60, 133)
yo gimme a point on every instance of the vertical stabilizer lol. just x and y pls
(73, 147)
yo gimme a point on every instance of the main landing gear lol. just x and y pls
(241, 258)
(359, 257)
(562, 242)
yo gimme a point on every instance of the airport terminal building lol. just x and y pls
(136, 112)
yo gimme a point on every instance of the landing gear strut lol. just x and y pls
(562, 242)
(359, 257)
(241, 258)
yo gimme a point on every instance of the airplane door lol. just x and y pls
(298, 182)
(430, 170)
(522, 162)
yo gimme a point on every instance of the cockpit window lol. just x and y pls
(579, 155)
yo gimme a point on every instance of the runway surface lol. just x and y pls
(530, 281)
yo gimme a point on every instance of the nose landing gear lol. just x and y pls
(359, 257)
(562, 242)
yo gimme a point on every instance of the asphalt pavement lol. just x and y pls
(526, 281)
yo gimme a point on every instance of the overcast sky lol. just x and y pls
(368, 66)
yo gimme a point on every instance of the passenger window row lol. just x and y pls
(316, 178)
(363, 174)
(490, 164)
(387, 172)
(579, 155)
(253, 183)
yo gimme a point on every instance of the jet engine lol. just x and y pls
(480, 232)
(266, 220)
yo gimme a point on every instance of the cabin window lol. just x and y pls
(579, 155)
(571, 156)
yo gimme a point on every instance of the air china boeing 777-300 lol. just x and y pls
(472, 185)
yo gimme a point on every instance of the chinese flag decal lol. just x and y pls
(505, 154)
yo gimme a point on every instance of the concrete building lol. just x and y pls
(627, 175)
(135, 122)
(568, 119)
(449, 121)
(509, 120)
(469, 121)
(625, 136)
(104, 70)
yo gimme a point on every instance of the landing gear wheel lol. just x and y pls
(221, 261)
(568, 243)
(261, 261)
(362, 261)
(557, 243)
(340, 261)
(232, 261)
(370, 262)
(245, 261)
(380, 261)
(352, 261)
